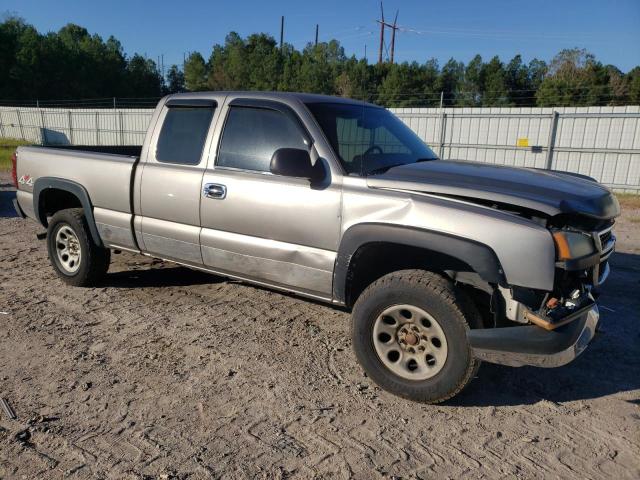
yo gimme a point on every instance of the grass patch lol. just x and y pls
(628, 200)
(7, 147)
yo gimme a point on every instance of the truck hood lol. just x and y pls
(547, 191)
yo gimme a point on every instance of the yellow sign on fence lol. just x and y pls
(523, 142)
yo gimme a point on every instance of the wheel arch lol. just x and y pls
(51, 194)
(418, 247)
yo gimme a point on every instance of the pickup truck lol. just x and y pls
(442, 264)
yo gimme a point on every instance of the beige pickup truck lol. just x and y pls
(444, 264)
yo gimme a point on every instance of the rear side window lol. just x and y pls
(252, 135)
(183, 134)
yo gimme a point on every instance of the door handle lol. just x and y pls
(214, 190)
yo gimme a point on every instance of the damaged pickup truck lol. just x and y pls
(443, 264)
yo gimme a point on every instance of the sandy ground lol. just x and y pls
(168, 373)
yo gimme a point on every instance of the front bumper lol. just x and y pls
(532, 345)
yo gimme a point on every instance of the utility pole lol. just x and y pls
(393, 35)
(381, 22)
(281, 32)
(394, 27)
(316, 34)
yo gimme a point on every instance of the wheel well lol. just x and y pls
(53, 200)
(374, 260)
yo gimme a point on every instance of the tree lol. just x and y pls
(195, 73)
(73, 63)
(355, 80)
(264, 62)
(537, 71)
(618, 85)
(494, 85)
(471, 84)
(450, 80)
(143, 78)
(403, 86)
(175, 80)
(430, 82)
(318, 67)
(633, 81)
(519, 83)
(574, 78)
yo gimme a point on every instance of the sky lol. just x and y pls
(429, 29)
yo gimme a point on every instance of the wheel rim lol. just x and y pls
(410, 342)
(68, 249)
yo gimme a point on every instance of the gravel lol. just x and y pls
(165, 372)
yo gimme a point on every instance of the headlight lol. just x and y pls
(570, 245)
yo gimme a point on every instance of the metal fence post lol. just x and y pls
(97, 128)
(70, 128)
(43, 130)
(20, 124)
(443, 129)
(121, 129)
(1, 125)
(553, 128)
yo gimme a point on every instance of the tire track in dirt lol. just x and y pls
(167, 371)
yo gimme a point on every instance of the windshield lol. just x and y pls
(369, 140)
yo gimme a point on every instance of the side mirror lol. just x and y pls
(293, 162)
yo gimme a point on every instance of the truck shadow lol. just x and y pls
(6, 199)
(611, 364)
(155, 277)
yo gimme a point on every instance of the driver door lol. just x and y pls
(267, 228)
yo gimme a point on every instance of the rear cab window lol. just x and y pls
(183, 134)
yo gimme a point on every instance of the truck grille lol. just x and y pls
(605, 242)
(605, 237)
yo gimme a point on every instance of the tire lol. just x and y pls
(74, 255)
(431, 320)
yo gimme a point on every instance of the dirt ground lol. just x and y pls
(165, 372)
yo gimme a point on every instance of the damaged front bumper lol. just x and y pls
(535, 346)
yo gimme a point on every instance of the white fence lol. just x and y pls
(602, 142)
(76, 126)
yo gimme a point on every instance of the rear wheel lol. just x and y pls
(409, 333)
(73, 253)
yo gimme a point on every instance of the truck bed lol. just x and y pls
(104, 171)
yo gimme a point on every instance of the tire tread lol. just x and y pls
(446, 291)
(97, 258)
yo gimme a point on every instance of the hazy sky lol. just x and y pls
(460, 29)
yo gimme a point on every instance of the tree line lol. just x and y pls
(73, 64)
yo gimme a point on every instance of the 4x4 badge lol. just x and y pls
(26, 180)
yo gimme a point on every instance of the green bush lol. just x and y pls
(7, 147)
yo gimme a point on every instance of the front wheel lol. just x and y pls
(409, 333)
(73, 253)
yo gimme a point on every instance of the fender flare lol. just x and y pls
(45, 183)
(477, 255)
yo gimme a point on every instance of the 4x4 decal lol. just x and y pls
(26, 180)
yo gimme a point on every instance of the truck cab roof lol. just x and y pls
(282, 96)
